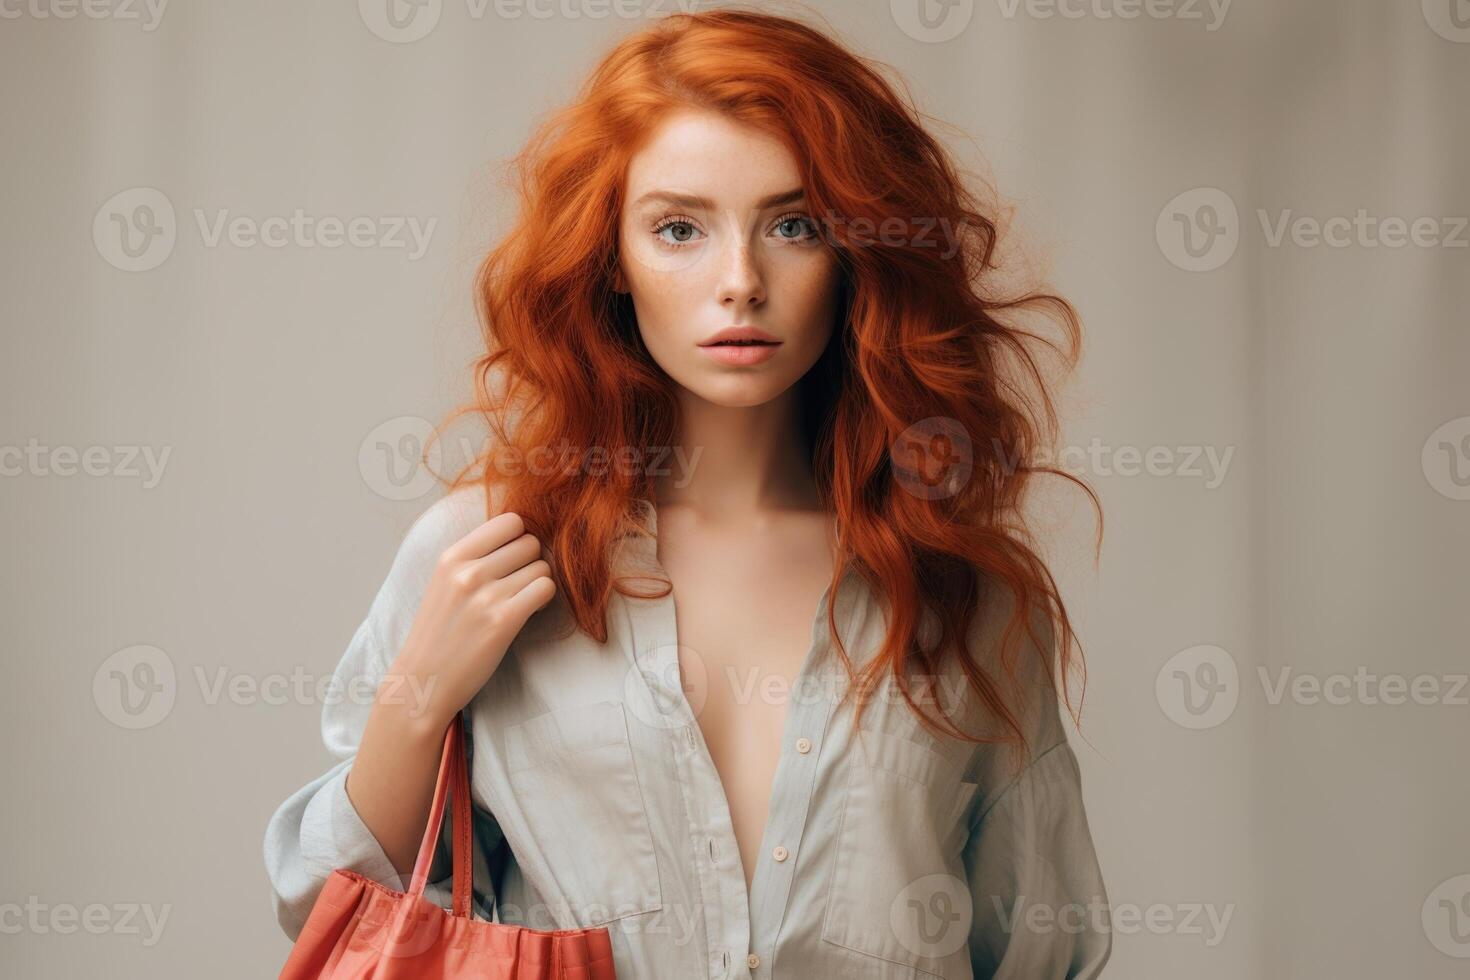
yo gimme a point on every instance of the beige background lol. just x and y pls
(1336, 541)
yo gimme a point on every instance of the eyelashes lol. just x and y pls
(684, 223)
(687, 231)
(796, 216)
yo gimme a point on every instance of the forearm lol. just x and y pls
(391, 782)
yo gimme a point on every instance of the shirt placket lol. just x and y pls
(712, 837)
(808, 714)
(737, 949)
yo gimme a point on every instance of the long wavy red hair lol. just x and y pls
(922, 335)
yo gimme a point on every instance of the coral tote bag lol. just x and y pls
(359, 928)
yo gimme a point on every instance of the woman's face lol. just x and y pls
(715, 234)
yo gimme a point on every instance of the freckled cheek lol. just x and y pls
(667, 303)
(673, 295)
(810, 284)
(649, 284)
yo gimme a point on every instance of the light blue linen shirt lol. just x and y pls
(889, 853)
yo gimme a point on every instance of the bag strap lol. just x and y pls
(454, 781)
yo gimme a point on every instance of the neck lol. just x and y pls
(740, 461)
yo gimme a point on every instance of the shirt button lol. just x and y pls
(780, 853)
(752, 961)
(803, 745)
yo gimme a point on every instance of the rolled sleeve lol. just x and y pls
(318, 830)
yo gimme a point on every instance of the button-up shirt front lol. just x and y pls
(889, 852)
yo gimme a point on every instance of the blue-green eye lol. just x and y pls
(795, 228)
(682, 231)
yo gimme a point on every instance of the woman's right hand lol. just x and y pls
(481, 592)
(484, 588)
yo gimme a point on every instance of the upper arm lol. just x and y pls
(1040, 908)
(1038, 900)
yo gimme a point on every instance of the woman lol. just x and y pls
(742, 342)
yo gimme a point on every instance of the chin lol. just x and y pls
(738, 390)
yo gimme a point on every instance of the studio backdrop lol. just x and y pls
(238, 250)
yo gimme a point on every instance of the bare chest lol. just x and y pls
(745, 606)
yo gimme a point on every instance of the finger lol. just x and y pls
(498, 530)
(536, 594)
(508, 558)
(522, 577)
(486, 571)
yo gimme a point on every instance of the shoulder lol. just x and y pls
(442, 523)
(993, 614)
(1027, 672)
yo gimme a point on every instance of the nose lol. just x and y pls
(742, 284)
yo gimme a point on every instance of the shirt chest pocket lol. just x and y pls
(573, 777)
(899, 891)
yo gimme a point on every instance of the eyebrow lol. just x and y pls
(695, 201)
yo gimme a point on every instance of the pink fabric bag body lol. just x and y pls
(359, 928)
